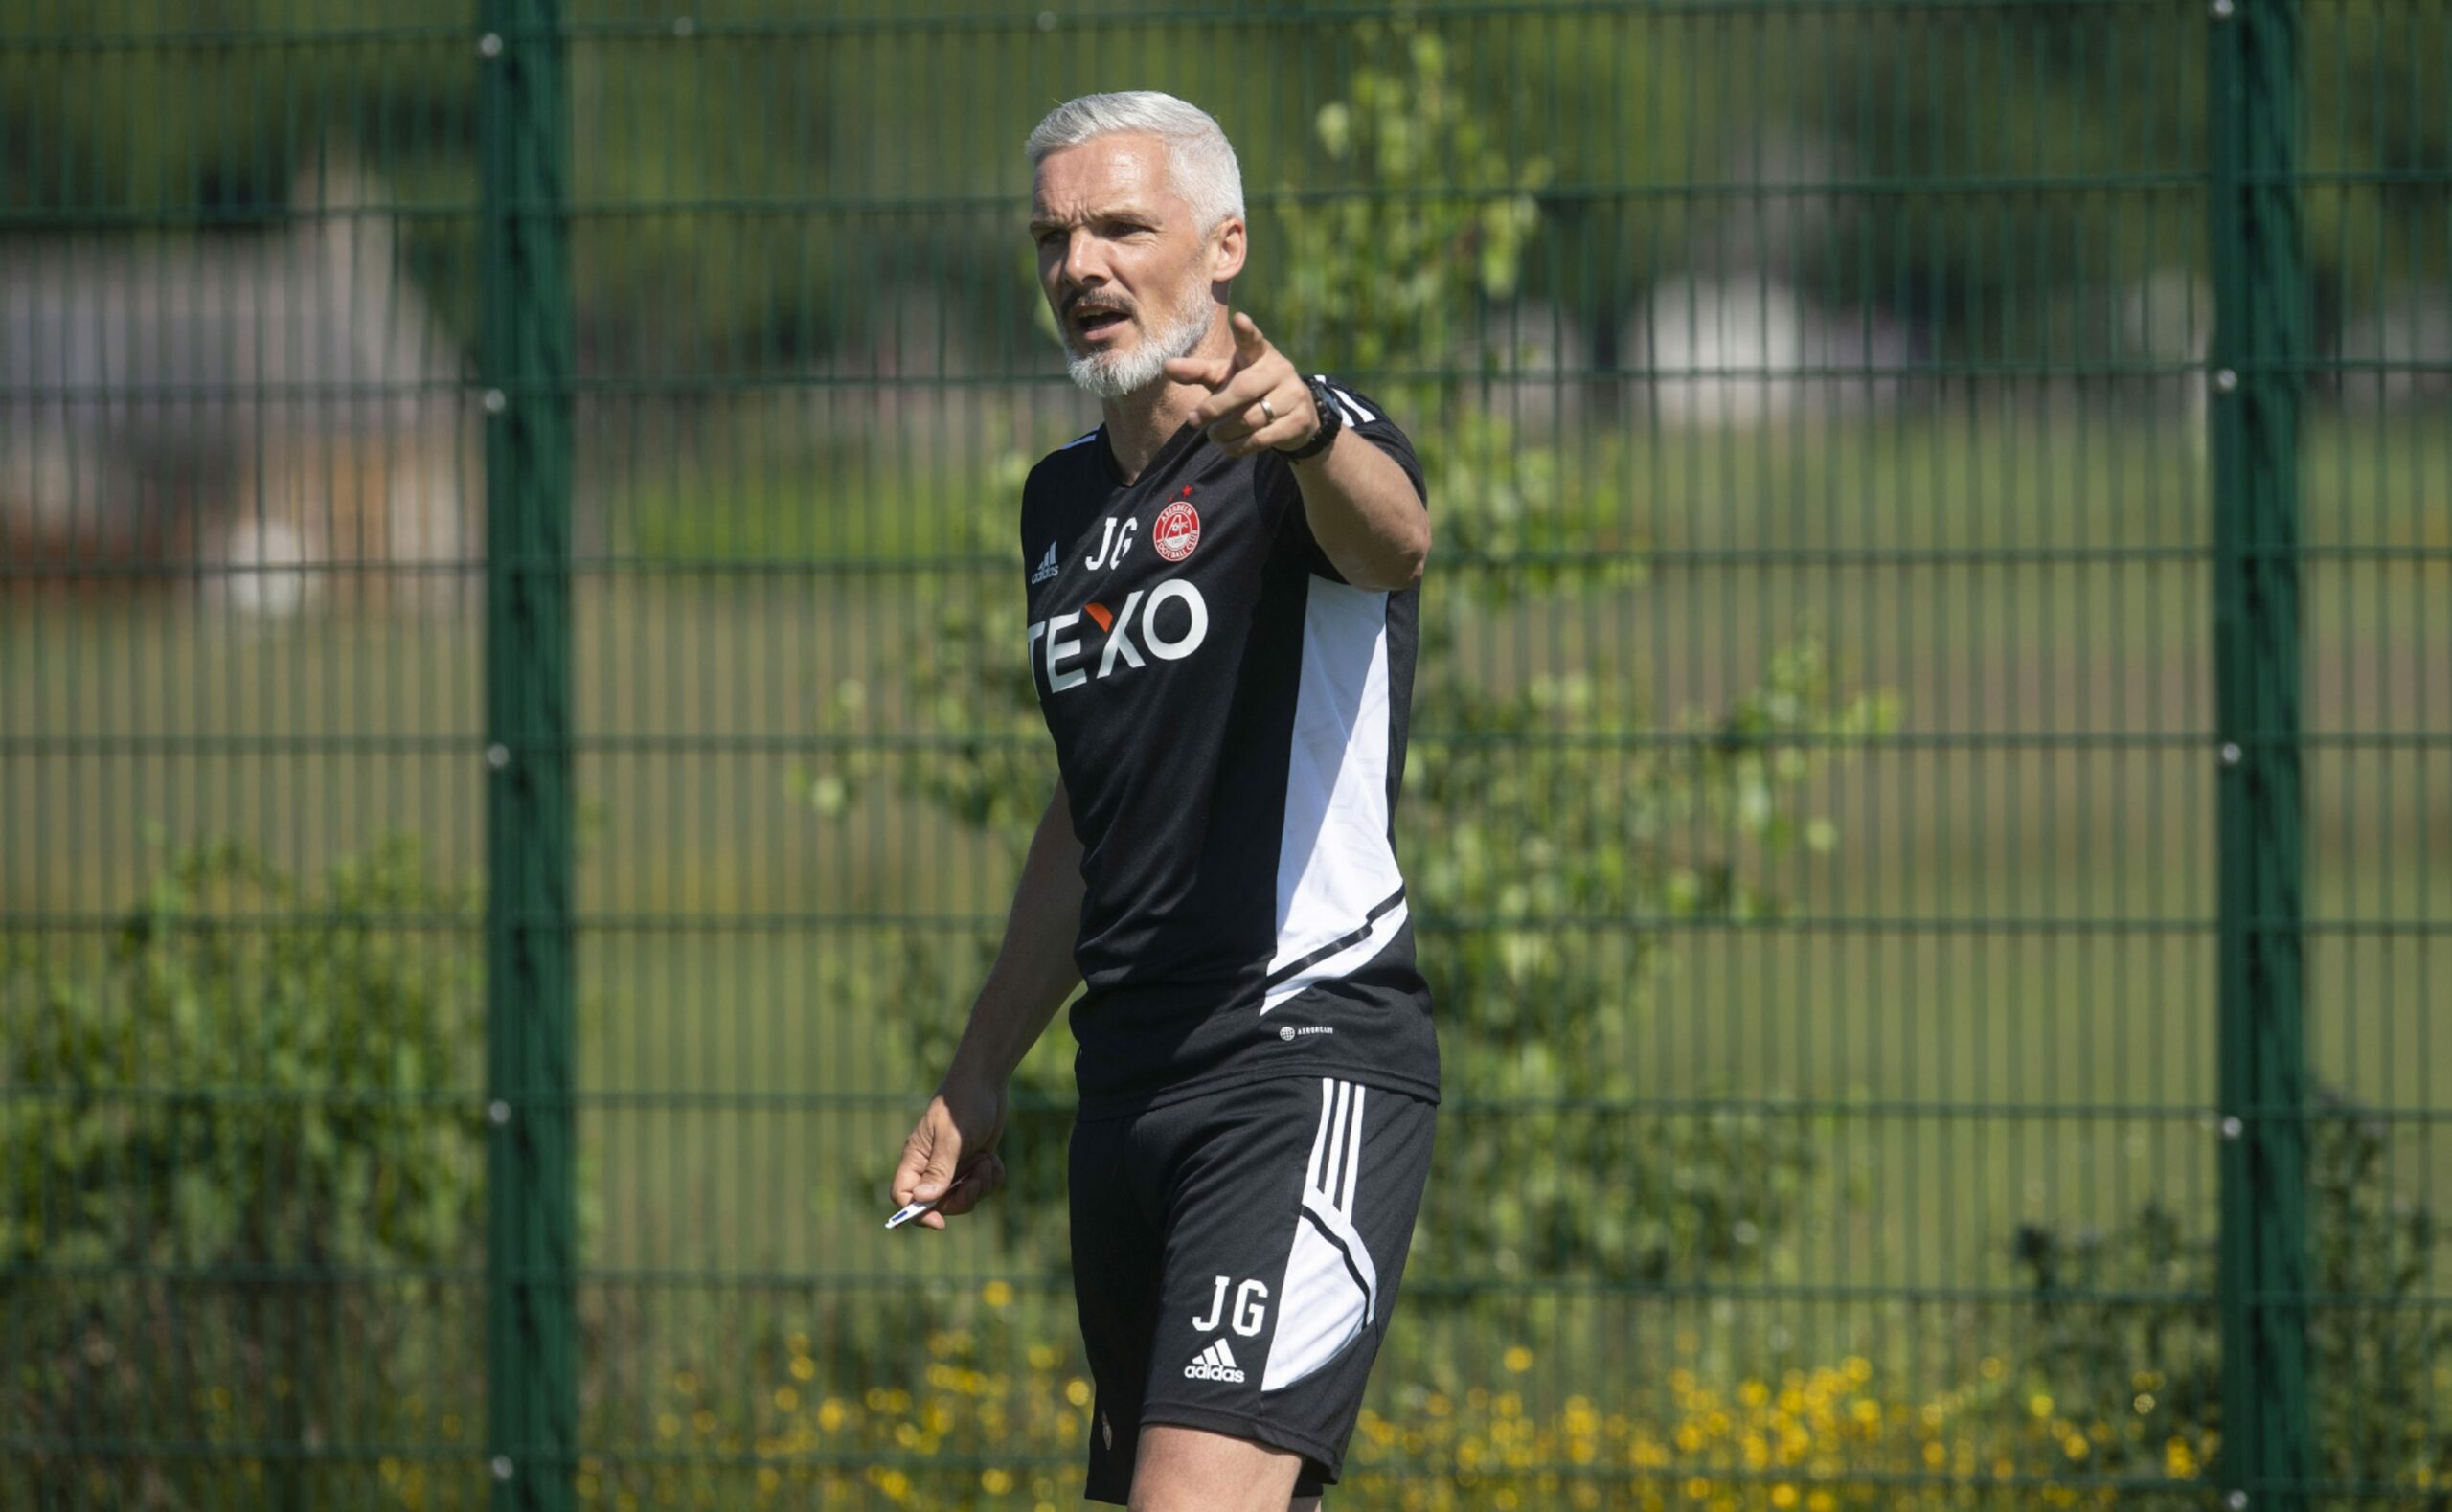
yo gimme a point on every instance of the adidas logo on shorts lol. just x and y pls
(1216, 1363)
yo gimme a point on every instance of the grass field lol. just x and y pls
(2009, 955)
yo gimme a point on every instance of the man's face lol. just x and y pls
(1126, 272)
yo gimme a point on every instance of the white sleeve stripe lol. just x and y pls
(1347, 404)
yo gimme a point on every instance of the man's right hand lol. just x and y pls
(953, 1147)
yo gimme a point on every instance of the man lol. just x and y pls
(1222, 597)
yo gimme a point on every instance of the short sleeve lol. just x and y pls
(1366, 419)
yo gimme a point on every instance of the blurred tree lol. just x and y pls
(821, 181)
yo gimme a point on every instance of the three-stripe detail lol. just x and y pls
(1331, 1290)
(1336, 1148)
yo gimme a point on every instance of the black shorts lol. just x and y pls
(1235, 1256)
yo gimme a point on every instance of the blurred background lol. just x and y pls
(1816, 814)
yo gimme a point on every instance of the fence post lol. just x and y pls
(2266, 1451)
(525, 357)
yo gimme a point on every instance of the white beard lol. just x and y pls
(1111, 375)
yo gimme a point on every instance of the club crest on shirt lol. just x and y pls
(1178, 528)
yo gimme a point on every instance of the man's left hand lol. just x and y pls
(1231, 414)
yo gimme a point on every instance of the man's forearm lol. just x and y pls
(1364, 514)
(1035, 971)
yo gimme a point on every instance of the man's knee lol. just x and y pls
(1309, 1504)
(1180, 1469)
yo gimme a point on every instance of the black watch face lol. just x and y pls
(1321, 400)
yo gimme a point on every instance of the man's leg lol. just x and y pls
(1182, 1469)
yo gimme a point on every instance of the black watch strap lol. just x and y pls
(1331, 421)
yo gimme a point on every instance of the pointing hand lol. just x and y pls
(1245, 388)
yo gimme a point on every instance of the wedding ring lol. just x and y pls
(1268, 409)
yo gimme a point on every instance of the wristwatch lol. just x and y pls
(1331, 421)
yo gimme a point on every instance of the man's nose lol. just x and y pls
(1085, 261)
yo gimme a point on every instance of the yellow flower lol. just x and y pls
(1517, 1359)
(804, 1369)
(2179, 1459)
(785, 1399)
(2075, 1447)
(1043, 1357)
(997, 1294)
(995, 1482)
(2040, 1406)
(1077, 1391)
(1784, 1495)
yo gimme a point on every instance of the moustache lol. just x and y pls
(1083, 304)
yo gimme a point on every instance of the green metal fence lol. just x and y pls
(1929, 804)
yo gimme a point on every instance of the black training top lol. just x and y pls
(1229, 716)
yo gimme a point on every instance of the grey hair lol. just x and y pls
(1199, 159)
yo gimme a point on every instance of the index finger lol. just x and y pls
(1250, 345)
(1208, 372)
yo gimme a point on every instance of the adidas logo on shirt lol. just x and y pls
(1216, 1363)
(1046, 568)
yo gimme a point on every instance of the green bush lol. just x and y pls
(245, 1176)
(2379, 1365)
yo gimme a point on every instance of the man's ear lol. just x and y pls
(1226, 251)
